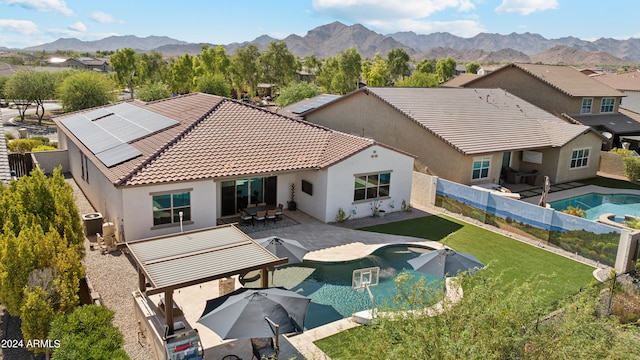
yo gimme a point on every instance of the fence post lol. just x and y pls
(625, 258)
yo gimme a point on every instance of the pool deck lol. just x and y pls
(582, 190)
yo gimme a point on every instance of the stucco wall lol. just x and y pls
(365, 115)
(612, 164)
(49, 160)
(138, 209)
(376, 159)
(565, 173)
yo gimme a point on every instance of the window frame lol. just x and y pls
(580, 161)
(482, 160)
(174, 210)
(582, 106)
(368, 192)
(612, 105)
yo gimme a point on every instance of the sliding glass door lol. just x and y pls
(237, 194)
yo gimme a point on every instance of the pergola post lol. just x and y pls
(168, 310)
(142, 280)
(264, 278)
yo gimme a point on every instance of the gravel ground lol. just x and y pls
(114, 277)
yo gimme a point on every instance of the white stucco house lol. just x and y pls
(141, 164)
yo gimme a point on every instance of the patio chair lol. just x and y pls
(262, 204)
(271, 215)
(251, 205)
(263, 348)
(246, 218)
(279, 211)
(260, 216)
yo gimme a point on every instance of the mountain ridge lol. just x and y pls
(333, 38)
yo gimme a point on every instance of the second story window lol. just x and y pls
(586, 106)
(607, 105)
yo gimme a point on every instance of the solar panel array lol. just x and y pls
(314, 103)
(107, 131)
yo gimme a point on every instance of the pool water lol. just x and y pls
(597, 204)
(329, 284)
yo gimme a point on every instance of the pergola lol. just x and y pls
(179, 260)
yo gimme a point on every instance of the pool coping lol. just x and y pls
(582, 190)
(357, 250)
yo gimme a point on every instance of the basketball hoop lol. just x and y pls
(362, 279)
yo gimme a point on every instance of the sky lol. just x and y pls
(25, 23)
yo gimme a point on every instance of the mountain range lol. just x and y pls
(330, 39)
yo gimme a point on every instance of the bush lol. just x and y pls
(575, 211)
(623, 152)
(631, 167)
(626, 306)
(341, 216)
(153, 92)
(41, 148)
(23, 145)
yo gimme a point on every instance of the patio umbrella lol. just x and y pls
(545, 192)
(241, 314)
(282, 248)
(444, 262)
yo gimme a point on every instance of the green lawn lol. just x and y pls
(517, 261)
(611, 183)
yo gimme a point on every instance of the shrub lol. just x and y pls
(623, 152)
(575, 211)
(40, 148)
(626, 306)
(342, 216)
(631, 167)
(23, 145)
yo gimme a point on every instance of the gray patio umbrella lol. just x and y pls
(241, 314)
(545, 192)
(282, 248)
(444, 262)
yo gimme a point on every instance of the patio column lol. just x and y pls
(168, 310)
(142, 280)
(264, 278)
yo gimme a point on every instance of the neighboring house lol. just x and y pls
(488, 69)
(141, 164)
(461, 69)
(302, 106)
(628, 83)
(459, 80)
(469, 136)
(564, 91)
(86, 63)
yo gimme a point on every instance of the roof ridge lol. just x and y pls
(169, 144)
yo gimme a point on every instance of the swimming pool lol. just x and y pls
(328, 284)
(596, 204)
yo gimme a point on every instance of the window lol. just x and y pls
(481, 168)
(586, 106)
(84, 163)
(579, 158)
(372, 186)
(168, 206)
(607, 105)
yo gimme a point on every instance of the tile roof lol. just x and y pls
(460, 80)
(629, 81)
(624, 122)
(5, 171)
(476, 121)
(219, 137)
(564, 78)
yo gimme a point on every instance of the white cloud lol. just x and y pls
(80, 27)
(361, 10)
(23, 27)
(391, 16)
(58, 6)
(526, 7)
(104, 18)
(278, 35)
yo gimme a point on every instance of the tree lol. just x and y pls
(296, 91)
(398, 62)
(340, 74)
(153, 92)
(182, 75)
(151, 68)
(213, 61)
(311, 64)
(244, 70)
(473, 67)
(3, 81)
(446, 69)
(419, 79)
(277, 64)
(86, 89)
(214, 84)
(426, 66)
(28, 86)
(123, 63)
(87, 333)
(377, 74)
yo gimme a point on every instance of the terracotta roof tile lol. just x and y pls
(629, 81)
(219, 137)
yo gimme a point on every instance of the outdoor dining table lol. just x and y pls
(254, 210)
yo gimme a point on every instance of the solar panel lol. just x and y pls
(107, 131)
(314, 103)
(118, 154)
